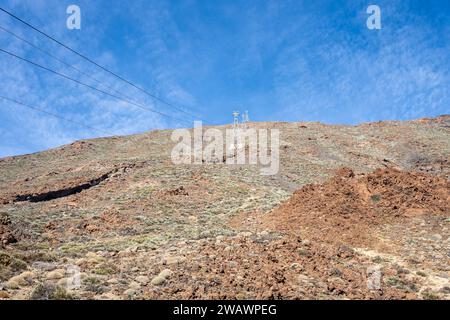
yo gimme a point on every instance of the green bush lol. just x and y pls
(48, 291)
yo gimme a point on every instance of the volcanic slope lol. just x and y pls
(354, 212)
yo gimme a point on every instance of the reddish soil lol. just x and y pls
(122, 212)
(270, 267)
(347, 207)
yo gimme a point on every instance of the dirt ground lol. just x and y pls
(356, 212)
(348, 208)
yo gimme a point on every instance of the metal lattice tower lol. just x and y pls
(245, 119)
(235, 121)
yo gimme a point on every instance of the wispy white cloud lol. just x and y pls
(35, 131)
(282, 60)
(398, 72)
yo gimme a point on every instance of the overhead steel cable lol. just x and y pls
(64, 63)
(67, 64)
(95, 63)
(55, 115)
(92, 87)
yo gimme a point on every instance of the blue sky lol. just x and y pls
(280, 60)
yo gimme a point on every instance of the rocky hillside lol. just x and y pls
(354, 212)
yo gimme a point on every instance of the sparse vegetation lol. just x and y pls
(207, 222)
(48, 291)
